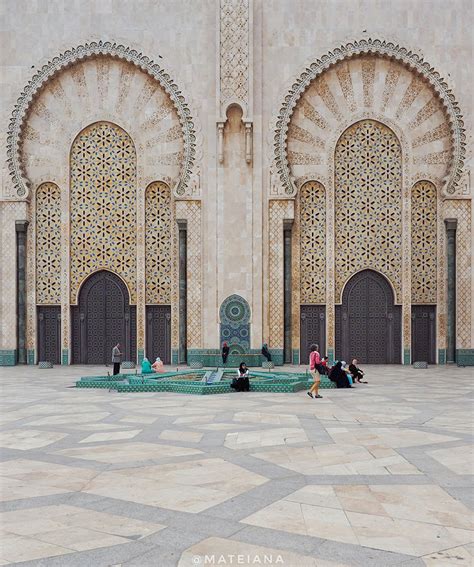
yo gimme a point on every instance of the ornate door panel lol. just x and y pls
(423, 333)
(368, 324)
(313, 330)
(49, 334)
(158, 332)
(102, 319)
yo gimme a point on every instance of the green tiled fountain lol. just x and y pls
(216, 381)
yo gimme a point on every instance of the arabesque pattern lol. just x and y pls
(313, 243)
(103, 205)
(424, 243)
(48, 244)
(368, 179)
(158, 240)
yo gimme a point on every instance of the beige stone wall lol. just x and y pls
(182, 36)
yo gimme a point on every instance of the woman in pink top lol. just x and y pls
(314, 367)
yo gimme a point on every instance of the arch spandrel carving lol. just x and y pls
(76, 89)
(369, 76)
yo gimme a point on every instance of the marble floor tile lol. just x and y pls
(128, 452)
(43, 474)
(454, 557)
(408, 519)
(26, 439)
(188, 436)
(458, 459)
(265, 438)
(113, 436)
(56, 530)
(191, 486)
(337, 459)
(266, 418)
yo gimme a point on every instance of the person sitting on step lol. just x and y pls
(158, 365)
(356, 373)
(146, 366)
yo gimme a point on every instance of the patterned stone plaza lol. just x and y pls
(377, 476)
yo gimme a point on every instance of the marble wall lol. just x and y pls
(222, 55)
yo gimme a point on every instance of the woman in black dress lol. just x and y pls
(338, 376)
(241, 383)
(225, 352)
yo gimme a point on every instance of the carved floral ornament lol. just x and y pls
(408, 59)
(72, 56)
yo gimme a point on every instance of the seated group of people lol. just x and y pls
(342, 376)
(345, 377)
(148, 368)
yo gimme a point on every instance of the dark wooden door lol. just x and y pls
(423, 333)
(158, 332)
(102, 319)
(49, 334)
(368, 323)
(312, 330)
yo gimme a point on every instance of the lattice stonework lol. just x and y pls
(368, 180)
(48, 244)
(158, 244)
(194, 268)
(461, 210)
(103, 205)
(313, 243)
(424, 243)
(234, 63)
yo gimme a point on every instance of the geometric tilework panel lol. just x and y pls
(368, 184)
(234, 316)
(424, 243)
(313, 243)
(103, 205)
(279, 210)
(460, 209)
(48, 244)
(158, 237)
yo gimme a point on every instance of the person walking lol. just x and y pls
(315, 368)
(116, 358)
(225, 352)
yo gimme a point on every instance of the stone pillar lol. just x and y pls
(21, 228)
(451, 226)
(182, 251)
(141, 281)
(287, 286)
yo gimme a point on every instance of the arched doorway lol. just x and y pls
(368, 323)
(103, 318)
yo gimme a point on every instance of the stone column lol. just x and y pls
(287, 340)
(451, 226)
(141, 282)
(182, 251)
(21, 228)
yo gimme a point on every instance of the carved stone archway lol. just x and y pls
(81, 53)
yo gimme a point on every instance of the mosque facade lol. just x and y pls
(180, 174)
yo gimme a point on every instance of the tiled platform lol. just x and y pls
(375, 476)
